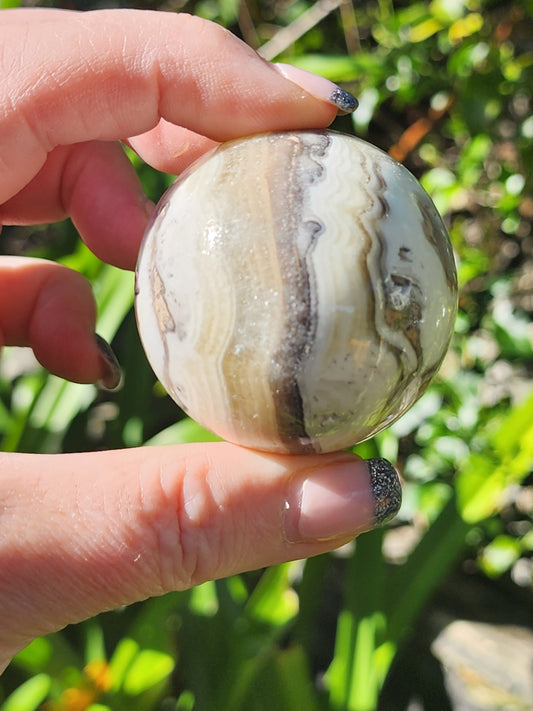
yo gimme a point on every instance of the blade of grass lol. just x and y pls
(114, 292)
(15, 433)
(352, 679)
(30, 695)
(293, 688)
(411, 584)
(305, 625)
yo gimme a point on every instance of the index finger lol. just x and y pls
(70, 77)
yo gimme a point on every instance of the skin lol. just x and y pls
(98, 530)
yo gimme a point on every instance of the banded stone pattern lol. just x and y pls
(296, 292)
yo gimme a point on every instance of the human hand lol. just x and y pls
(83, 533)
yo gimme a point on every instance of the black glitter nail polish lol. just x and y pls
(112, 378)
(343, 100)
(386, 490)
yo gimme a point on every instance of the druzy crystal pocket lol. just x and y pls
(296, 291)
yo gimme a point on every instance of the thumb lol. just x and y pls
(104, 529)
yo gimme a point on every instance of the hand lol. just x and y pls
(82, 533)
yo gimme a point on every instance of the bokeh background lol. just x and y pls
(436, 612)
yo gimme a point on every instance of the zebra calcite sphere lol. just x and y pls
(296, 291)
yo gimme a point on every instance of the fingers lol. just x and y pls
(171, 148)
(97, 186)
(51, 309)
(115, 73)
(104, 529)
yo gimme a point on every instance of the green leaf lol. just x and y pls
(410, 585)
(58, 403)
(182, 432)
(366, 683)
(274, 601)
(281, 681)
(526, 542)
(6, 418)
(479, 486)
(114, 292)
(484, 478)
(123, 656)
(156, 619)
(185, 701)
(499, 555)
(94, 641)
(36, 655)
(293, 682)
(335, 68)
(354, 678)
(147, 669)
(339, 671)
(30, 695)
(204, 599)
(515, 435)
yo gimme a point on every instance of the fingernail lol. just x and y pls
(147, 205)
(386, 490)
(341, 500)
(112, 377)
(319, 87)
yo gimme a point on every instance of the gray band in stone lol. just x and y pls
(296, 291)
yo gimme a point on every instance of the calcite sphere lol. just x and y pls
(296, 291)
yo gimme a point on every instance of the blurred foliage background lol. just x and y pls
(446, 87)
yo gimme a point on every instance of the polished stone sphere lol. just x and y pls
(296, 292)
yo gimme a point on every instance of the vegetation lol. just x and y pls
(446, 87)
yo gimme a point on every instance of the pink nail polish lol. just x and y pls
(319, 87)
(341, 500)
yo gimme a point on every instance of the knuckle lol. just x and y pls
(187, 518)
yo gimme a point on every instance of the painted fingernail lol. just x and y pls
(341, 500)
(386, 490)
(319, 87)
(147, 205)
(112, 377)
